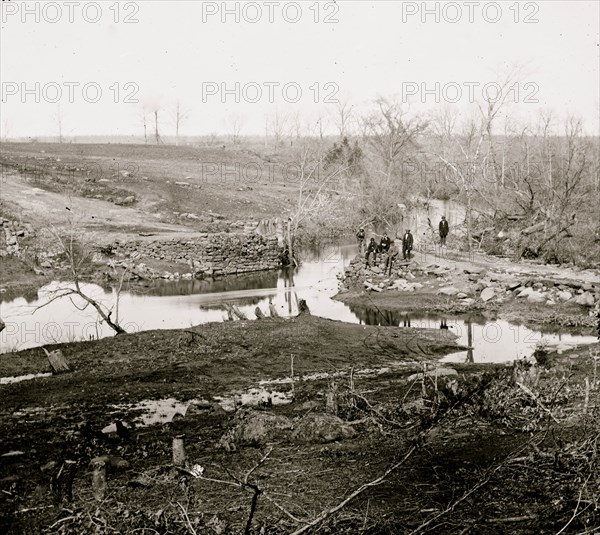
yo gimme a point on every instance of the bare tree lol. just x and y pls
(278, 124)
(321, 122)
(144, 119)
(59, 118)
(75, 246)
(156, 133)
(6, 126)
(472, 153)
(179, 114)
(295, 127)
(314, 190)
(392, 134)
(235, 123)
(391, 140)
(342, 116)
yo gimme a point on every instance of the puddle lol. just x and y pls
(18, 379)
(162, 411)
(254, 397)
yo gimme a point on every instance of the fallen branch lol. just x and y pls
(357, 492)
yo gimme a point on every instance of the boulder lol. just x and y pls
(487, 294)
(461, 295)
(526, 292)
(564, 295)
(474, 270)
(585, 299)
(322, 428)
(448, 290)
(536, 297)
(255, 428)
(204, 408)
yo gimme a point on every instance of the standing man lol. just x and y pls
(444, 229)
(371, 249)
(360, 236)
(393, 253)
(407, 244)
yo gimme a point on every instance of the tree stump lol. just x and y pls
(99, 483)
(303, 307)
(331, 399)
(178, 451)
(238, 312)
(61, 483)
(57, 361)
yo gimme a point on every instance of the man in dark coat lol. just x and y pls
(392, 254)
(360, 236)
(384, 244)
(371, 249)
(444, 229)
(407, 244)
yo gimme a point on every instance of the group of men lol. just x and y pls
(384, 247)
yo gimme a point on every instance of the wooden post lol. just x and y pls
(303, 307)
(61, 483)
(238, 312)
(178, 451)
(99, 483)
(57, 361)
(273, 310)
(587, 396)
(331, 400)
(259, 314)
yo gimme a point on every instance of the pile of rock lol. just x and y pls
(553, 292)
(471, 284)
(497, 286)
(14, 231)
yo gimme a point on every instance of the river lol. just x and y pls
(171, 305)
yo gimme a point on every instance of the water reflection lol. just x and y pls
(484, 340)
(250, 281)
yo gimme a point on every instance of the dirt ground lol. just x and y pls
(165, 182)
(480, 464)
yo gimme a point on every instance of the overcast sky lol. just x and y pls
(349, 50)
